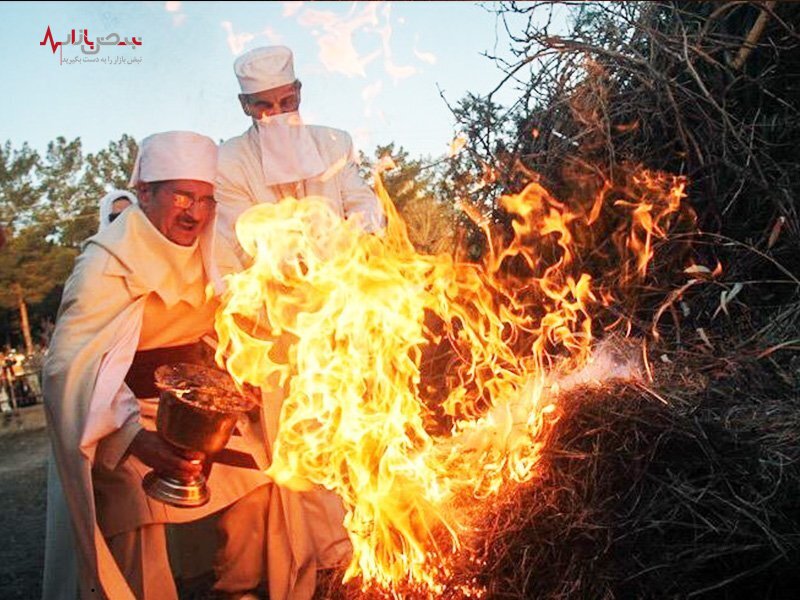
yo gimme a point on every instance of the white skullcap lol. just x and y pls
(264, 68)
(175, 155)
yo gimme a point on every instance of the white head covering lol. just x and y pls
(182, 155)
(107, 201)
(264, 68)
(288, 151)
(175, 155)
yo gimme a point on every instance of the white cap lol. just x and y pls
(175, 155)
(264, 68)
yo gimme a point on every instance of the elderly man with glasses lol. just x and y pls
(136, 299)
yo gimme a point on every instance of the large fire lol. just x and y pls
(345, 321)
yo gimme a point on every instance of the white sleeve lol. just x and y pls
(357, 197)
(232, 200)
(112, 450)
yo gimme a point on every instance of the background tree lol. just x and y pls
(30, 269)
(66, 212)
(109, 168)
(18, 189)
(48, 207)
(18, 199)
(412, 185)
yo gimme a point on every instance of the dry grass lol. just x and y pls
(688, 489)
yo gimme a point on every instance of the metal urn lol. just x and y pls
(198, 409)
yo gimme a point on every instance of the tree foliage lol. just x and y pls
(18, 187)
(413, 186)
(48, 207)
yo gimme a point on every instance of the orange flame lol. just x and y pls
(341, 320)
(659, 197)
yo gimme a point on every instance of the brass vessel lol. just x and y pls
(198, 409)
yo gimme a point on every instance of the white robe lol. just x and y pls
(93, 416)
(240, 185)
(305, 530)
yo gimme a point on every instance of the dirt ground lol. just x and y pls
(24, 448)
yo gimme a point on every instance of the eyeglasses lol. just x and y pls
(288, 104)
(281, 100)
(186, 201)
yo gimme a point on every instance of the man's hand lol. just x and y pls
(165, 458)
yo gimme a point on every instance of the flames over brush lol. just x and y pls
(344, 321)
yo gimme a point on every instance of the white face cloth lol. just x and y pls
(288, 152)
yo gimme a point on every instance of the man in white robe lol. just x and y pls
(276, 158)
(137, 298)
(279, 156)
(62, 577)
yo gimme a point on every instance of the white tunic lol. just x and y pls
(240, 185)
(305, 530)
(129, 290)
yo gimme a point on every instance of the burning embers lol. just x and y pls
(345, 321)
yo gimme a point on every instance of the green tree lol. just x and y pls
(111, 167)
(30, 268)
(409, 179)
(18, 200)
(478, 173)
(18, 190)
(411, 185)
(66, 211)
(48, 207)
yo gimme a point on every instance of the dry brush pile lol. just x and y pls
(687, 485)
